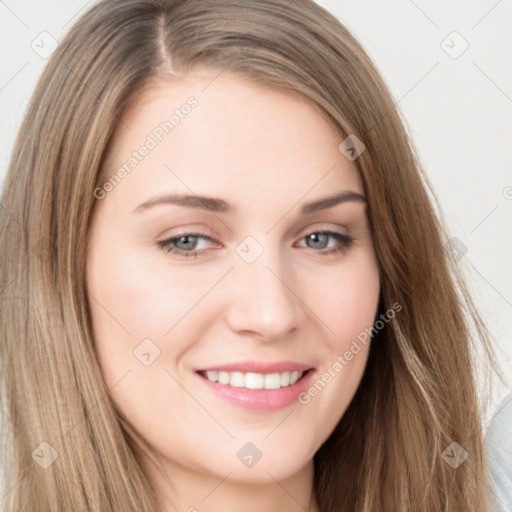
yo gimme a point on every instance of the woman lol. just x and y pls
(225, 282)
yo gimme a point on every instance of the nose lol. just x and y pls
(262, 300)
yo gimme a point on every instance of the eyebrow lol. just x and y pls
(216, 205)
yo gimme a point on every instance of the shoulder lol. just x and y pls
(499, 452)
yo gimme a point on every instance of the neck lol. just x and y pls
(182, 489)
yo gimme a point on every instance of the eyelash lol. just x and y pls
(345, 241)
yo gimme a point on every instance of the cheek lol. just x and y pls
(140, 309)
(347, 301)
(347, 306)
(136, 294)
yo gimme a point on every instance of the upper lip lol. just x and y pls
(258, 367)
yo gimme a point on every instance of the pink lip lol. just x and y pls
(260, 399)
(259, 367)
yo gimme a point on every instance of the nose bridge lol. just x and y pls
(263, 301)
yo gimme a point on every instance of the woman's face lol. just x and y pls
(256, 282)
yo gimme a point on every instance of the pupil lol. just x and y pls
(186, 241)
(319, 240)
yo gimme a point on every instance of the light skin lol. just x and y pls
(267, 154)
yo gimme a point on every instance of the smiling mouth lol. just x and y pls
(251, 380)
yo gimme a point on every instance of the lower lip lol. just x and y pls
(260, 399)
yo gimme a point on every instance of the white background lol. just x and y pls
(458, 111)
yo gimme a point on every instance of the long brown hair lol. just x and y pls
(417, 395)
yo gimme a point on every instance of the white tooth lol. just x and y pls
(285, 379)
(294, 377)
(272, 381)
(254, 380)
(224, 377)
(212, 375)
(237, 380)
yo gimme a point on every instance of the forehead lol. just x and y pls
(226, 135)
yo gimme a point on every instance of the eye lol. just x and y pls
(319, 240)
(186, 244)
